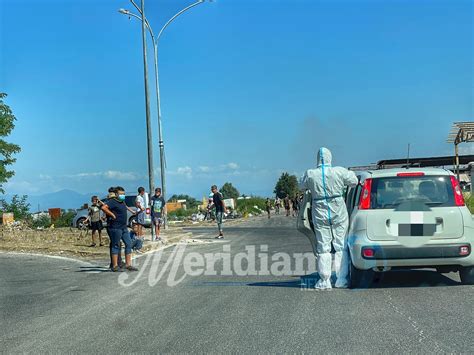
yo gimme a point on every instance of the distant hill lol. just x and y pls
(65, 199)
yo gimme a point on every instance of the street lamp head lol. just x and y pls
(123, 11)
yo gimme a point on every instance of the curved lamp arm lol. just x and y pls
(199, 2)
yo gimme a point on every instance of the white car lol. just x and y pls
(81, 215)
(409, 218)
(404, 218)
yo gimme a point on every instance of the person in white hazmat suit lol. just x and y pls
(330, 217)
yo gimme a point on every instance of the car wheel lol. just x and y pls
(360, 278)
(467, 275)
(80, 223)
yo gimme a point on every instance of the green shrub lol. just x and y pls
(19, 206)
(470, 202)
(247, 206)
(41, 222)
(64, 220)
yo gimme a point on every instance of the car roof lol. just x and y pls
(393, 172)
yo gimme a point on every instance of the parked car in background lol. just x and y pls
(81, 215)
(409, 218)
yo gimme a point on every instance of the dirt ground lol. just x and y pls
(73, 242)
(70, 241)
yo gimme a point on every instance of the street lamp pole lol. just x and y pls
(151, 179)
(157, 85)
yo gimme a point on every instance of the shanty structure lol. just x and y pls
(461, 132)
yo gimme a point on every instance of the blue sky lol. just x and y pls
(249, 88)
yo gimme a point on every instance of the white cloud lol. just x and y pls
(109, 175)
(231, 166)
(185, 171)
(20, 187)
(204, 169)
(119, 175)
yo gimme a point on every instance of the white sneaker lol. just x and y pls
(323, 285)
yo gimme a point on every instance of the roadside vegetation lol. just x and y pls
(20, 207)
(253, 205)
(7, 150)
(469, 202)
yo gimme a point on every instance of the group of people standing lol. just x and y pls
(115, 215)
(291, 205)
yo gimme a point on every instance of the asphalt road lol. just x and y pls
(59, 305)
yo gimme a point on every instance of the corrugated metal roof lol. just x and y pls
(461, 132)
(426, 162)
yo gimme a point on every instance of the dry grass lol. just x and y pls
(67, 242)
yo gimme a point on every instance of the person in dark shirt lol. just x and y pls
(218, 201)
(286, 202)
(295, 204)
(268, 207)
(121, 264)
(157, 203)
(116, 209)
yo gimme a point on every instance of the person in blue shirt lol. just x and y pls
(116, 209)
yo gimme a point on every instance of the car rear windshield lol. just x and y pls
(130, 201)
(390, 192)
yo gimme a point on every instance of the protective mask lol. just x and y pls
(121, 197)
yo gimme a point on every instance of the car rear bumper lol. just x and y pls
(394, 254)
(426, 252)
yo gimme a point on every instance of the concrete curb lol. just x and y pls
(85, 263)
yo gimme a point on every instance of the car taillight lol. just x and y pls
(368, 253)
(147, 211)
(364, 203)
(464, 250)
(458, 197)
(410, 174)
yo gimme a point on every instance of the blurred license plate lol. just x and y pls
(416, 230)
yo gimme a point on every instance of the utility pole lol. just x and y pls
(147, 105)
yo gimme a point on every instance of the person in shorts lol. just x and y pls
(95, 220)
(137, 243)
(158, 204)
(277, 205)
(268, 207)
(141, 208)
(116, 209)
(121, 264)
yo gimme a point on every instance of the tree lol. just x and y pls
(7, 150)
(287, 185)
(191, 202)
(19, 207)
(229, 191)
